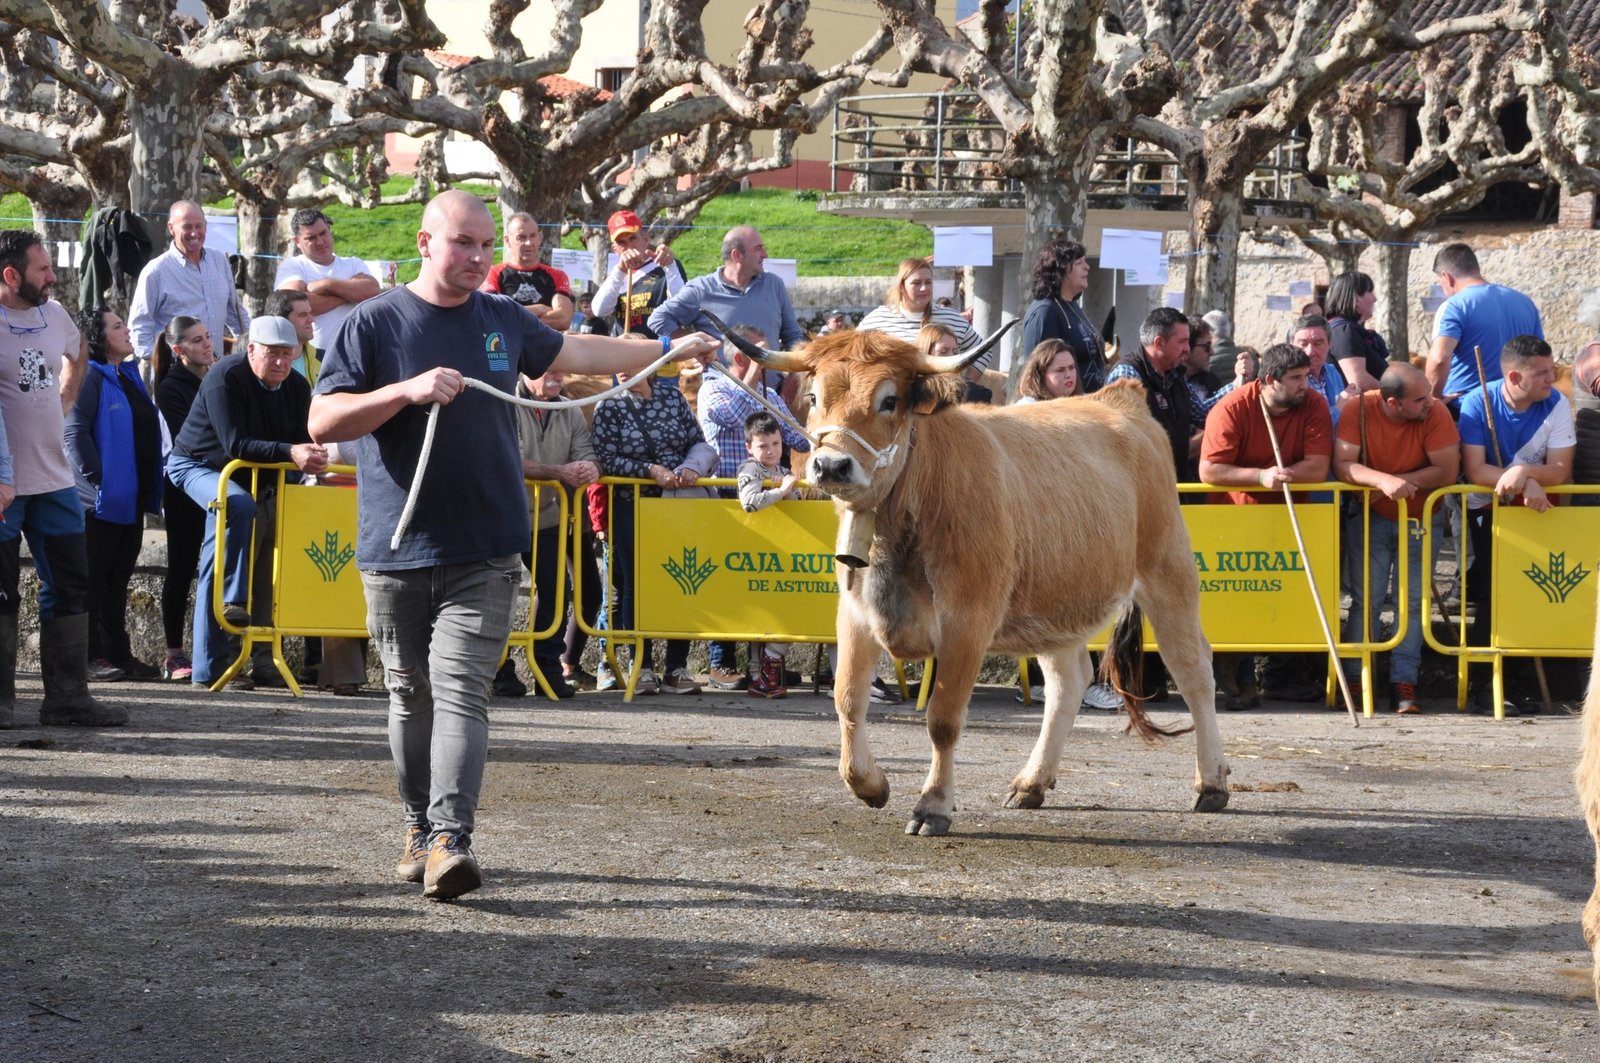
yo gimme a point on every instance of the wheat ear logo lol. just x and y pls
(330, 558)
(1554, 579)
(690, 574)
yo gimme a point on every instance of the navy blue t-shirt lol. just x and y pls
(473, 505)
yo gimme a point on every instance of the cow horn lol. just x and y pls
(954, 363)
(784, 361)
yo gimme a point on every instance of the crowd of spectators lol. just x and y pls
(136, 449)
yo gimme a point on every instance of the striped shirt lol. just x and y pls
(906, 324)
(172, 286)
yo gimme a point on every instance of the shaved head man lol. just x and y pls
(440, 604)
(186, 280)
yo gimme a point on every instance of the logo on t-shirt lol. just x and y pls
(33, 376)
(494, 348)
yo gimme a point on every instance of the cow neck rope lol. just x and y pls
(531, 404)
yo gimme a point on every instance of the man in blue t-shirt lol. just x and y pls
(1517, 437)
(439, 604)
(1477, 318)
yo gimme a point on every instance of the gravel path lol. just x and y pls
(688, 879)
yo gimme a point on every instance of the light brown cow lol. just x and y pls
(1589, 796)
(1021, 530)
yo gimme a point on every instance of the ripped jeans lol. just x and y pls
(439, 632)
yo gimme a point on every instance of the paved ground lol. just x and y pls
(687, 879)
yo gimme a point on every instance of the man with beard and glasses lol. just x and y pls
(41, 361)
(1237, 452)
(1402, 444)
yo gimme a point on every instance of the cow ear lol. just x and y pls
(930, 393)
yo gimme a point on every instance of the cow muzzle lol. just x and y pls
(838, 470)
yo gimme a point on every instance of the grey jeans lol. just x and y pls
(439, 632)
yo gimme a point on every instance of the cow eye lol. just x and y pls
(888, 404)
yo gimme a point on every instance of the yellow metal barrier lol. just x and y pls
(317, 590)
(705, 569)
(1543, 598)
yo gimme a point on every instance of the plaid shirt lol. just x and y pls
(723, 409)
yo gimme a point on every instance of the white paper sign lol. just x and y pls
(944, 288)
(63, 255)
(1280, 302)
(1175, 300)
(1138, 278)
(222, 233)
(963, 245)
(1300, 288)
(384, 269)
(788, 269)
(1131, 249)
(577, 265)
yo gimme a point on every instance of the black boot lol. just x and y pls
(506, 684)
(64, 660)
(550, 668)
(8, 668)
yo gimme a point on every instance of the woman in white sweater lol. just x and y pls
(908, 305)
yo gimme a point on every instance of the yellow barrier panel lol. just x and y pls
(708, 566)
(316, 548)
(1543, 592)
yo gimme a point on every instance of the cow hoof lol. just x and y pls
(1029, 798)
(930, 825)
(1211, 801)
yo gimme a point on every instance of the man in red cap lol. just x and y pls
(642, 279)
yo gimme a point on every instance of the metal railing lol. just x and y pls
(950, 142)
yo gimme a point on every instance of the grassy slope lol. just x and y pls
(825, 245)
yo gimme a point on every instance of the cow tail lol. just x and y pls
(1122, 666)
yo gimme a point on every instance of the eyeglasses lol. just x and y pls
(18, 330)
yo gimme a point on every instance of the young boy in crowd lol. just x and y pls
(764, 442)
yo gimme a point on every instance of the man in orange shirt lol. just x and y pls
(1236, 451)
(1401, 443)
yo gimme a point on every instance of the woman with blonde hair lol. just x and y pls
(908, 305)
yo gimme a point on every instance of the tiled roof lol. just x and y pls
(553, 84)
(1396, 78)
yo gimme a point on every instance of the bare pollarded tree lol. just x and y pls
(1083, 79)
(1392, 201)
(171, 72)
(1231, 116)
(679, 113)
(1563, 93)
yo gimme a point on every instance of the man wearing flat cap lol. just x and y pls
(250, 407)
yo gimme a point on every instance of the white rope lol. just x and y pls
(533, 404)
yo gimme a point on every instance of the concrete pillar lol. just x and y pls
(1577, 210)
(1013, 299)
(984, 288)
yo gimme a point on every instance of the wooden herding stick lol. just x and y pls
(1305, 556)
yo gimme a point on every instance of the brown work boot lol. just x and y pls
(451, 869)
(414, 857)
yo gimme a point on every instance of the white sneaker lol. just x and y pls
(679, 681)
(883, 694)
(648, 683)
(1100, 696)
(604, 679)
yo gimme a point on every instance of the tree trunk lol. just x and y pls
(1218, 213)
(261, 246)
(1392, 317)
(58, 210)
(1055, 204)
(165, 113)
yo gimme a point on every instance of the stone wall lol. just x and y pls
(1556, 267)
